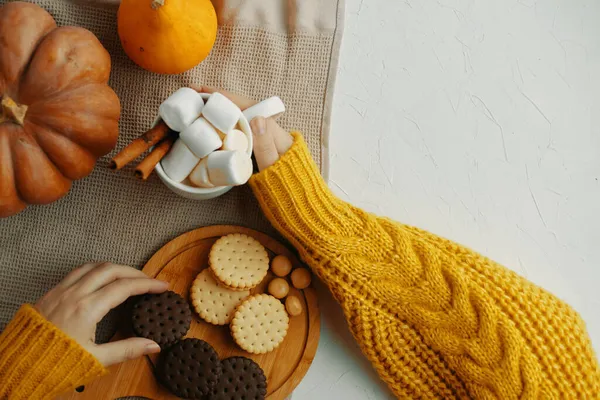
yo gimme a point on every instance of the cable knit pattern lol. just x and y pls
(437, 320)
(38, 361)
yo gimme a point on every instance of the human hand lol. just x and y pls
(270, 140)
(86, 295)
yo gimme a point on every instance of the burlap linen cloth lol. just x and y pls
(264, 47)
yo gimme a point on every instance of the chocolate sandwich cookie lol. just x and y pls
(164, 318)
(190, 369)
(242, 379)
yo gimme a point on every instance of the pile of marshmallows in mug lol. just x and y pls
(211, 150)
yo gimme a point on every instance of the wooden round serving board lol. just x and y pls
(178, 263)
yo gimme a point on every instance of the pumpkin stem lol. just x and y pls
(13, 112)
(156, 4)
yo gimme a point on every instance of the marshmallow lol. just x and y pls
(179, 162)
(235, 140)
(229, 168)
(201, 138)
(221, 112)
(199, 176)
(270, 107)
(181, 109)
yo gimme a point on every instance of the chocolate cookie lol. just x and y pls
(164, 318)
(242, 379)
(190, 369)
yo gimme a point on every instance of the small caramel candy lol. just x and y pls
(281, 266)
(301, 278)
(279, 288)
(293, 306)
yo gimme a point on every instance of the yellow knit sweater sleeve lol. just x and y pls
(436, 319)
(39, 361)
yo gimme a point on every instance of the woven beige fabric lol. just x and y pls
(112, 216)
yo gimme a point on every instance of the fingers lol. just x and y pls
(205, 89)
(68, 281)
(265, 150)
(123, 350)
(103, 275)
(115, 293)
(75, 275)
(283, 139)
(240, 101)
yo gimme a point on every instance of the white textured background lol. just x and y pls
(477, 120)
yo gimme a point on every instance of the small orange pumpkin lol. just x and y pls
(167, 36)
(57, 113)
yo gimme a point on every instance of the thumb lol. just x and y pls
(265, 150)
(123, 350)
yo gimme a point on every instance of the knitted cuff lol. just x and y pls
(38, 360)
(299, 204)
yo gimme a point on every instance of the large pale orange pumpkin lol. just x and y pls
(58, 114)
(167, 36)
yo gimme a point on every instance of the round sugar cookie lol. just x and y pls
(260, 324)
(213, 302)
(238, 261)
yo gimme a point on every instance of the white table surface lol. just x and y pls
(479, 121)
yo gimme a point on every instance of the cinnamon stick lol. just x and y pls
(145, 168)
(140, 145)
